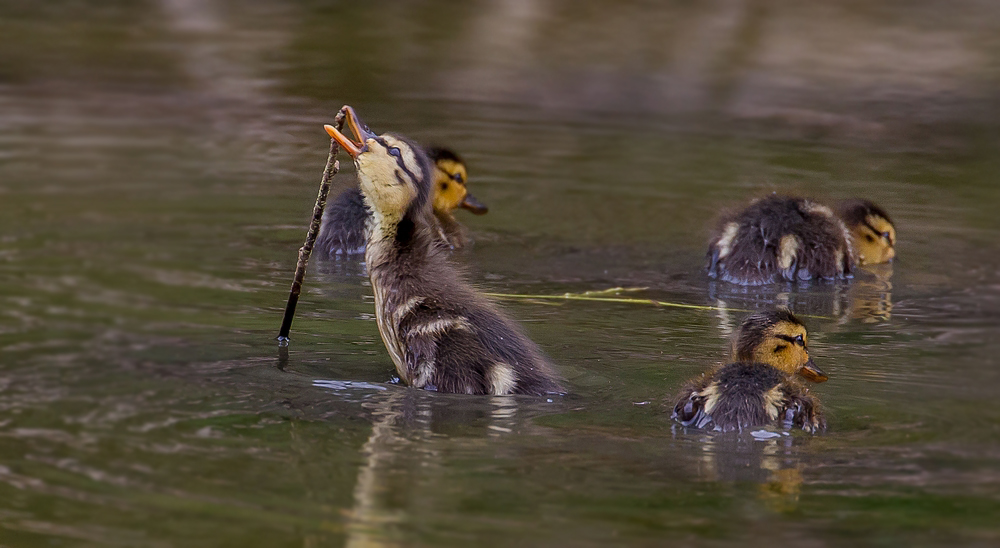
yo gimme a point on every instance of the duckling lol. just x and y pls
(343, 228)
(872, 231)
(758, 388)
(441, 334)
(451, 193)
(796, 239)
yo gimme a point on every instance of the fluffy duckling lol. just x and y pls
(795, 239)
(343, 228)
(759, 388)
(440, 333)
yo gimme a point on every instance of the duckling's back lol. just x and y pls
(343, 229)
(780, 238)
(746, 395)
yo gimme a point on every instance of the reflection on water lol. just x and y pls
(403, 457)
(770, 461)
(158, 163)
(867, 299)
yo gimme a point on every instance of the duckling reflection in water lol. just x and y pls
(440, 333)
(343, 228)
(795, 239)
(759, 388)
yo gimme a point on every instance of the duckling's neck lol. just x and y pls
(396, 257)
(399, 242)
(381, 227)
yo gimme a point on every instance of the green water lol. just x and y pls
(158, 164)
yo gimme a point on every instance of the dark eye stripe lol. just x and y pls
(884, 235)
(399, 159)
(794, 340)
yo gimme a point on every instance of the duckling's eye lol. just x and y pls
(457, 177)
(780, 347)
(799, 340)
(886, 235)
(393, 151)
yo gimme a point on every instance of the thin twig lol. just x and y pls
(332, 167)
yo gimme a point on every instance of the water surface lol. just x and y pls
(158, 164)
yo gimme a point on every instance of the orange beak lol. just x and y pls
(358, 128)
(812, 373)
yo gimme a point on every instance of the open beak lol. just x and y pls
(358, 128)
(812, 373)
(472, 204)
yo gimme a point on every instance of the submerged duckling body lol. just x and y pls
(343, 228)
(783, 238)
(759, 388)
(441, 334)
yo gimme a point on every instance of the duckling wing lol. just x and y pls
(470, 349)
(690, 407)
(441, 350)
(738, 396)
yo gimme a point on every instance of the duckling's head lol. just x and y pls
(394, 173)
(778, 339)
(872, 231)
(450, 176)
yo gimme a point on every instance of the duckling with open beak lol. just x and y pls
(440, 333)
(343, 228)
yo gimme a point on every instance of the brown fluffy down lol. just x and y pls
(780, 238)
(747, 395)
(441, 333)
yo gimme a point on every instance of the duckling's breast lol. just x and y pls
(383, 316)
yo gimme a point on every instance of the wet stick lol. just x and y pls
(332, 167)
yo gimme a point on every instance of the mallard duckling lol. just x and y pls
(873, 234)
(759, 388)
(451, 193)
(343, 228)
(440, 333)
(795, 239)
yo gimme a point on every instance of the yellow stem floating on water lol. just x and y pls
(595, 296)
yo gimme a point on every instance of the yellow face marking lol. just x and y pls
(785, 346)
(874, 240)
(388, 188)
(449, 185)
